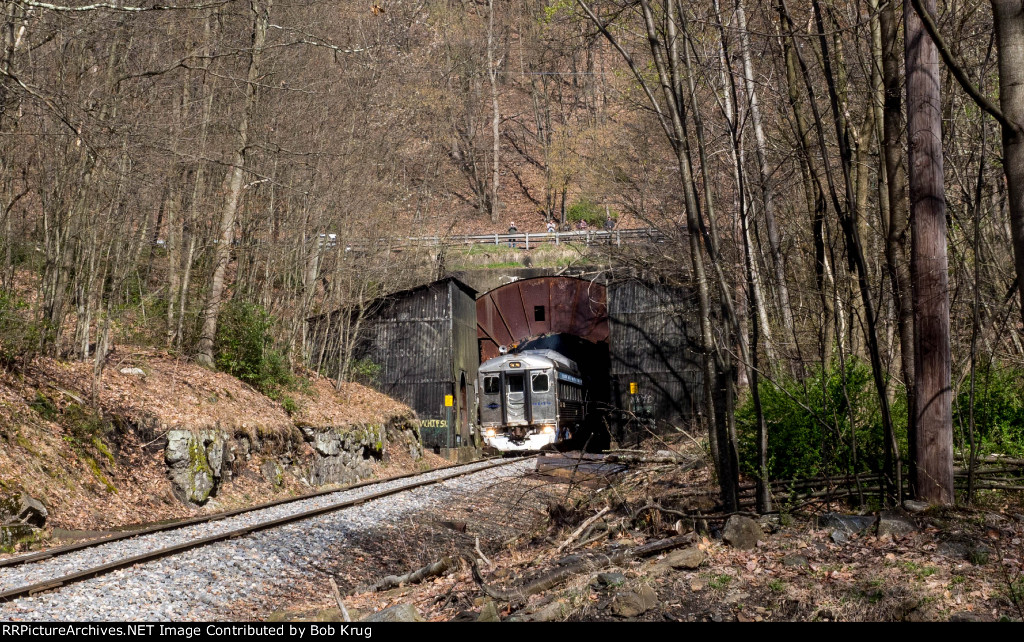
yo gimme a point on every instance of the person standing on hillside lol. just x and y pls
(551, 225)
(512, 229)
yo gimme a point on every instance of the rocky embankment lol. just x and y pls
(157, 437)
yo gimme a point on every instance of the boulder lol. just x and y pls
(687, 558)
(22, 509)
(488, 612)
(11, 534)
(344, 455)
(742, 532)
(912, 506)
(634, 603)
(848, 524)
(272, 472)
(969, 616)
(404, 431)
(549, 612)
(961, 549)
(895, 525)
(397, 613)
(197, 461)
(611, 579)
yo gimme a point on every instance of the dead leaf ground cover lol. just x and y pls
(959, 564)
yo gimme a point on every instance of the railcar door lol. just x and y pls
(515, 399)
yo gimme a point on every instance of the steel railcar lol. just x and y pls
(530, 399)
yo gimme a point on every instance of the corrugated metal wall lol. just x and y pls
(651, 345)
(409, 337)
(424, 340)
(465, 357)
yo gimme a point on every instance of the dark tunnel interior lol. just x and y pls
(594, 363)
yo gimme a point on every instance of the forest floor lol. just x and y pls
(937, 565)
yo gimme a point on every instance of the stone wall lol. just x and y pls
(200, 462)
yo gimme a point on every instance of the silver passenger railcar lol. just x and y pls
(530, 399)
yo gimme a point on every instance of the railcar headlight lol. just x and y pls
(548, 430)
(490, 432)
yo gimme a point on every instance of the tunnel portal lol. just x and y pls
(632, 337)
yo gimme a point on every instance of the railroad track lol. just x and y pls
(390, 488)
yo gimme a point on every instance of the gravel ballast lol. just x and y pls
(199, 584)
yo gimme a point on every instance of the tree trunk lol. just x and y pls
(929, 264)
(761, 146)
(1009, 25)
(233, 188)
(897, 225)
(492, 73)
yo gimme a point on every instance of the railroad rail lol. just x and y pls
(87, 573)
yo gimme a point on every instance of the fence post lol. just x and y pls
(495, 238)
(527, 241)
(556, 238)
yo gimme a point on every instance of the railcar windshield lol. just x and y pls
(491, 386)
(540, 382)
(515, 383)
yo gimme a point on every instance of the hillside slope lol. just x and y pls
(157, 437)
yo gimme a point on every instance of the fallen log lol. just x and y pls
(685, 463)
(391, 581)
(553, 579)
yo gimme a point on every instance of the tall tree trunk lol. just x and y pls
(670, 117)
(492, 73)
(898, 224)
(233, 187)
(1009, 25)
(767, 203)
(929, 264)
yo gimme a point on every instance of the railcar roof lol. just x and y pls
(532, 359)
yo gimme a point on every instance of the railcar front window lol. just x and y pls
(490, 385)
(540, 383)
(515, 383)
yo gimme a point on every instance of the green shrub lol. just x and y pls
(244, 347)
(998, 410)
(364, 371)
(586, 210)
(809, 431)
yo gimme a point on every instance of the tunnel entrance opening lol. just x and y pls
(594, 362)
(565, 314)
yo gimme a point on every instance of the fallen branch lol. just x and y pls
(391, 581)
(551, 580)
(583, 527)
(605, 532)
(337, 598)
(481, 555)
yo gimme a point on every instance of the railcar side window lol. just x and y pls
(490, 385)
(540, 383)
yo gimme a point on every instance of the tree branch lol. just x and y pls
(958, 72)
